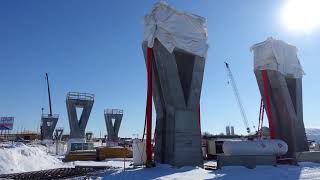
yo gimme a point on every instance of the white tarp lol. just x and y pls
(277, 55)
(176, 29)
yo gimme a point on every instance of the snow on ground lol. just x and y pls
(19, 157)
(305, 171)
(114, 162)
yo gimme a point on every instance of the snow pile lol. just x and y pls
(113, 162)
(21, 158)
(304, 171)
(313, 134)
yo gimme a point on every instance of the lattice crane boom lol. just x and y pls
(237, 95)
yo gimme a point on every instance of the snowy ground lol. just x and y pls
(305, 171)
(20, 158)
(114, 162)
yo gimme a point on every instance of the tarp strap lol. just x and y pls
(149, 106)
(268, 101)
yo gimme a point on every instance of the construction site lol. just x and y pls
(172, 138)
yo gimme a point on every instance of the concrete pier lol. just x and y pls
(48, 124)
(286, 105)
(113, 118)
(279, 76)
(177, 80)
(58, 134)
(78, 100)
(89, 136)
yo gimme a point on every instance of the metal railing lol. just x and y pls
(50, 116)
(80, 96)
(113, 111)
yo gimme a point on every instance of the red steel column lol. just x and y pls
(260, 109)
(149, 106)
(268, 101)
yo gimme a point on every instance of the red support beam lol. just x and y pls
(268, 101)
(262, 118)
(149, 107)
(259, 123)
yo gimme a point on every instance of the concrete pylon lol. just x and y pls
(279, 76)
(113, 118)
(48, 124)
(58, 134)
(89, 136)
(286, 106)
(78, 100)
(177, 80)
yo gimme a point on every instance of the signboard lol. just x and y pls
(6, 123)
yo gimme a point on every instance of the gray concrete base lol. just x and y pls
(308, 156)
(247, 161)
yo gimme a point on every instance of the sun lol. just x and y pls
(301, 15)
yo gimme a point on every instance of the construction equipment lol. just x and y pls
(49, 95)
(48, 121)
(113, 152)
(236, 93)
(260, 122)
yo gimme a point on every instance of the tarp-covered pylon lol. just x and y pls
(178, 44)
(279, 76)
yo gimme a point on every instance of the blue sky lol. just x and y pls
(95, 47)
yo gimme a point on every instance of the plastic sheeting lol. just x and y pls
(277, 55)
(176, 29)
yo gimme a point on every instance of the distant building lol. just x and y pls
(232, 130)
(228, 130)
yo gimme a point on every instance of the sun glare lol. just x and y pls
(301, 15)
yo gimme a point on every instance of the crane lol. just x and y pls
(237, 95)
(49, 95)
